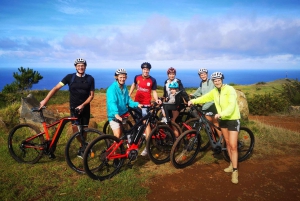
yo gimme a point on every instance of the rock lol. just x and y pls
(243, 105)
(27, 116)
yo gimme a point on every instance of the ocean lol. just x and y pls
(189, 78)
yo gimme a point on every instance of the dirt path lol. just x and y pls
(273, 178)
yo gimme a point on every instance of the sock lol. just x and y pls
(234, 169)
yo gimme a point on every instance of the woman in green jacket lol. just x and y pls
(225, 99)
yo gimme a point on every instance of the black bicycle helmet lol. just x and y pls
(146, 65)
(80, 61)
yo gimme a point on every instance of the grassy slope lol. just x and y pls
(54, 180)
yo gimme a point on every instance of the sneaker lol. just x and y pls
(164, 120)
(229, 168)
(234, 177)
(144, 152)
(80, 152)
(116, 162)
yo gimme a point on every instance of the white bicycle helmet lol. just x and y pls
(202, 70)
(217, 75)
(120, 71)
(80, 61)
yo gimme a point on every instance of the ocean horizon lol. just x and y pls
(189, 78)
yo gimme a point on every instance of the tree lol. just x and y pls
(23, 81)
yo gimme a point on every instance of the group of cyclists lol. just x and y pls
(218, 100)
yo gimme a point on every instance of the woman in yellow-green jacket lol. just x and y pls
(225, 99)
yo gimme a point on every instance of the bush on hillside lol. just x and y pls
(267, 103)
(291, 90)
(10, 115)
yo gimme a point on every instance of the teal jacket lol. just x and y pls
(225, 100)
(117, 100)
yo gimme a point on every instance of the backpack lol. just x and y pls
(202, 81)
(88, 79)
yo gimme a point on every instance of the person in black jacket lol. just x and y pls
(171, 78)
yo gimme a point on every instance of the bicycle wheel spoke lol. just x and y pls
(160, 144)
(102, 166)
(25, 151)
(185, 149)
(76, 146)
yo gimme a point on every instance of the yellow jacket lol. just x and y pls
(225, 100)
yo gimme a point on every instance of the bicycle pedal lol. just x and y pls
(52, 156)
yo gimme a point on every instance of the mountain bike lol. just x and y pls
(27, 144)
(188, 145)
(105, 155)
(134, 113)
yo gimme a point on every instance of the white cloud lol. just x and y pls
(213, 41)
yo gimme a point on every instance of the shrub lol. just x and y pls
(291, 90)
(267, 103)
(10, 115)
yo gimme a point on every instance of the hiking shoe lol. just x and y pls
(164, 120)
(144, 152)
(229, 168)
(234, 177)
(80, 152)
(116, 162)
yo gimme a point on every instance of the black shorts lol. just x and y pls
(212, 110)
(231, 125)
(84, 116)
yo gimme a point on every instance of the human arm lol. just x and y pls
(155, 96)
(132, 88)
(203, 99)
(197, 93)
(50, 94)
(87, 101)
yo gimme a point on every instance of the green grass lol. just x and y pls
(54, 180)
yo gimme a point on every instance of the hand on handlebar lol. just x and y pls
(190, 103)
(217, 116)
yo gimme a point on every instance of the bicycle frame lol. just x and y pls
(61, 124)
(136, 136)
(210, 131)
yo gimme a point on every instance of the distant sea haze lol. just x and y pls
(190, 78)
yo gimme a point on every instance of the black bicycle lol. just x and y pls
(188, 145)
(105, 155)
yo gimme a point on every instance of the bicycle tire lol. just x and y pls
(95, 162)
(16, 139)
(246, 143)
(159, 144)
(185, 149)
(73, 145)
(194, 124)
(182, 117)
(107, 129)
(175, 126)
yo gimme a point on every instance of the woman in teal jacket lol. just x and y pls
(117, 101)
(225, 99)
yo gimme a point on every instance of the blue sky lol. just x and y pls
(183, 34)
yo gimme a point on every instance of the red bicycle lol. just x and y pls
(27, 144)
